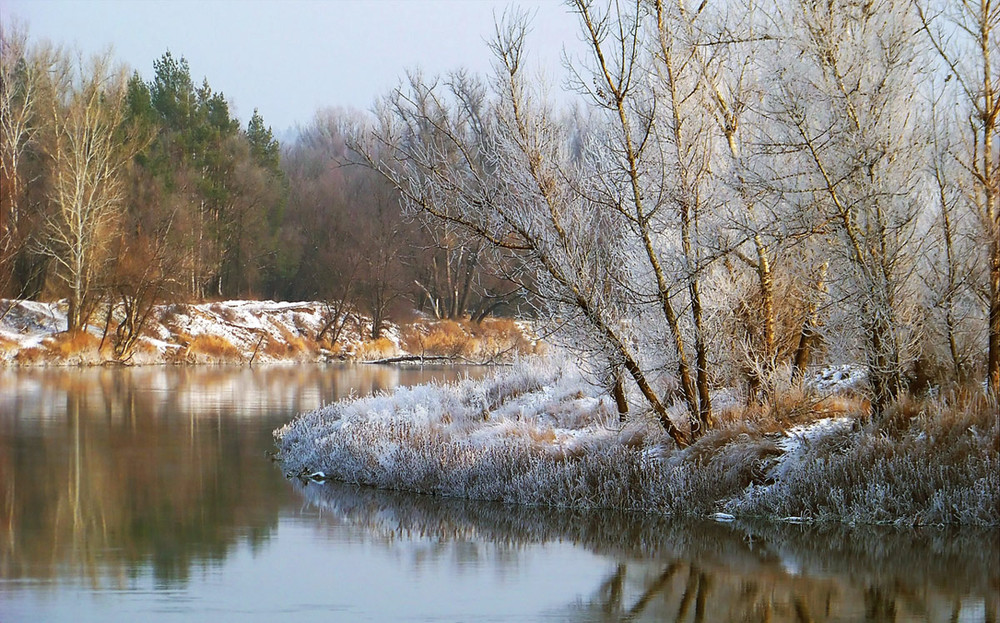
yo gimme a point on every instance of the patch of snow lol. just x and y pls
(796, 440)
(832, 379)
(794, 520)
(170, 329)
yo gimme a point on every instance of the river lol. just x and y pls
(145, 494)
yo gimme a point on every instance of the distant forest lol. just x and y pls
(130, 192)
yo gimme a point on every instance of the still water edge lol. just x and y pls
(145, 494)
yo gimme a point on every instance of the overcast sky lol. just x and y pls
(289, 58)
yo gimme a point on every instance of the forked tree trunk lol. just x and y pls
(618, 391)
(810, 328)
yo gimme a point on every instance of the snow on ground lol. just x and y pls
(241, 332)
(28, 322)
(832, 379)
(455, 439)
(223, 332)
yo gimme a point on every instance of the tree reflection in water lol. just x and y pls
(106, 473)
(670, 570)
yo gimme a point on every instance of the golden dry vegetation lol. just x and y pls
(491, 340)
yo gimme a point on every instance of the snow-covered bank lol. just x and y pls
(242, 332)
(538, 435)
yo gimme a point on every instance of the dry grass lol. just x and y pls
(72, 343)
(30, 356)
(793, 407)
(931, 461)
(502, 337)
(297, 344)
(445, 338)
(72, 347)
(7, 345)
(144, 347)
(212, 348)
(491, 340)
(376, 349)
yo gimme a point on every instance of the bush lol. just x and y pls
(376, 349)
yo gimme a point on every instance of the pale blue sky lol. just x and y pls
(289, 58)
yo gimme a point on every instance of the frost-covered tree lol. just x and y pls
(517, 179)
(952, 266)
(762, 236)
(648, 170)
(966, 37)
(848, 96)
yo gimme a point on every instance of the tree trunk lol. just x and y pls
(810, 328)
(618, 391)
(993, 355)
(884, 375)
(705, 418)
(989, 179)
(73, 314)
(770, 349)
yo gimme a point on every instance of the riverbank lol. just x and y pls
(249, 332)
(540, 435)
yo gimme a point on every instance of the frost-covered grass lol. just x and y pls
(540, 435)
(934, 462)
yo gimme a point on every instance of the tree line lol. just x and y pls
(120, 193)
(737, 191)
(733, 193)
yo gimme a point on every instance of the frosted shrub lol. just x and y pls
(540, 435)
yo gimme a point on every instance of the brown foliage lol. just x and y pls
(446, 338)
(376, 349)
(794, 407)
(6, 345)
(289, 345)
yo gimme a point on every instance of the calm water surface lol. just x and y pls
(144, 494)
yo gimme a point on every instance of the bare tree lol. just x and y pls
(848, 96)
(964, 35)
(90, 149)
(22, 75)
(955, 316)
(651, 166)
(508, 178)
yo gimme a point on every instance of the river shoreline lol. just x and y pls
(542, 436)
(249, 333)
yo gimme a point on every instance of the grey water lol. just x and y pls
(146, 494)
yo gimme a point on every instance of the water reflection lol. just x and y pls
(37, 393)
(146, 492)
(681, 571)
(108, 472)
